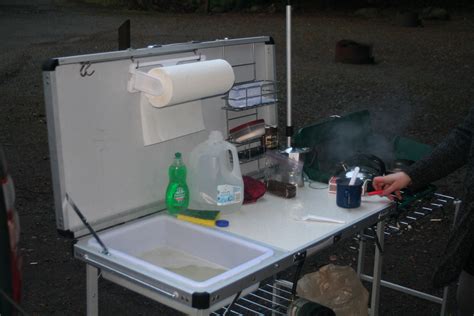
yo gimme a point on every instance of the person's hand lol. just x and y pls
(392, 183)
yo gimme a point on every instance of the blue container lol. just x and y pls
(348, 196)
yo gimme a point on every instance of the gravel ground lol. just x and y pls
(420, 86)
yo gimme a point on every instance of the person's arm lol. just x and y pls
(449, 155)
(392, 183)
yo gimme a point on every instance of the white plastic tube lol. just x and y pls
(288, 70)
(354, 176)
(315, 218)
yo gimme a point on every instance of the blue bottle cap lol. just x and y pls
(222, 223)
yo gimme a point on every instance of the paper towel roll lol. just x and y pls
(192, 81)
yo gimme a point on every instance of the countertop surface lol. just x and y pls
(272, 220)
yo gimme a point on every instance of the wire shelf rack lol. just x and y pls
(250, 95)
(407, 216)
(271, 298)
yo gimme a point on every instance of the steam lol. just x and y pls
(342, 141)
(390, 116)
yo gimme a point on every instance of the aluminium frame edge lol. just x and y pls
(54, 142)
(183, 297)
(159, 50)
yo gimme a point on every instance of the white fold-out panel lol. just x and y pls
(97, 150)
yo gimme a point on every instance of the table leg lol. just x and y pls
(374, 303)
(444, 304)
(92, 287)
(361, 255)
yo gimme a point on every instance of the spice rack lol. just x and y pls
(242, 105)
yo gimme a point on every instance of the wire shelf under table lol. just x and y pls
(271, 298)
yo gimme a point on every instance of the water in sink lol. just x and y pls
(184, 264)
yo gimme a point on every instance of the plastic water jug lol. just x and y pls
(215, 180)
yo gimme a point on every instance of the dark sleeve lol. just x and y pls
(451, 154)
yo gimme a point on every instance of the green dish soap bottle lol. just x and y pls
(177, 193)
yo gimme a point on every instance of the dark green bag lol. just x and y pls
(338, 138)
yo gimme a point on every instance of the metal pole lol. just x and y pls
(404, 289)
(444, 301)
(361, 257)
(457, 205)
(374, 303)
(86, 223)
(92, 286)
(288, 73)
(13, 303)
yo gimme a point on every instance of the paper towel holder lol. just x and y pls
(141, 81)
(152, 117)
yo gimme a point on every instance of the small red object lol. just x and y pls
(378, 192)
(253, 189)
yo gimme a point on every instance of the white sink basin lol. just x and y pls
(192, 254)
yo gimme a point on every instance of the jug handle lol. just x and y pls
(364, 186)
(235, 160)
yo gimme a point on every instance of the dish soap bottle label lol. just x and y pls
(179, 195)
(228, 194)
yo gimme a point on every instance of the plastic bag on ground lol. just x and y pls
(336, 287)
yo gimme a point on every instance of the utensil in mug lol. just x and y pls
(354, 175)
(332, 185)
(348, 196)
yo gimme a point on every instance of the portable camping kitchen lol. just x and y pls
(102, 159)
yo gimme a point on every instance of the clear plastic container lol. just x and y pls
(215, 180)
(282, 168)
